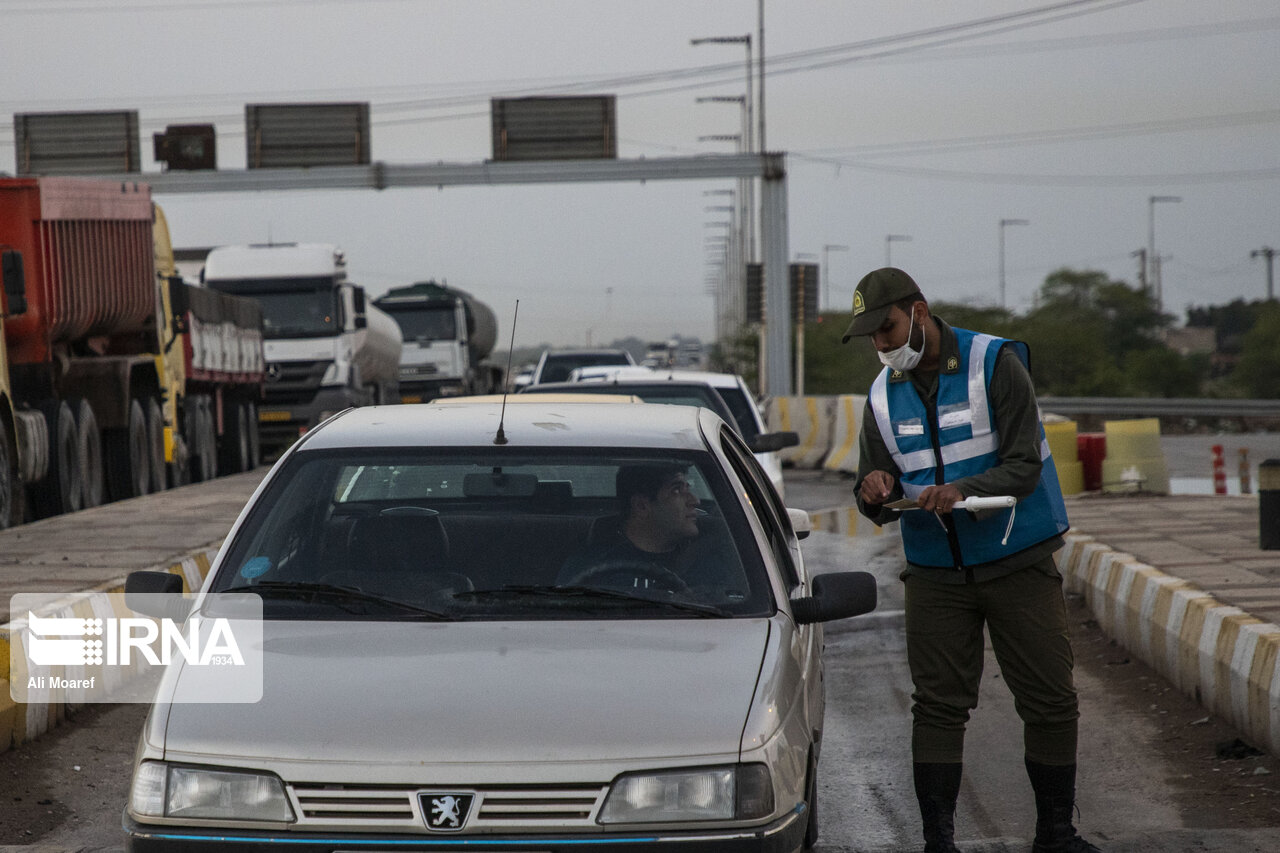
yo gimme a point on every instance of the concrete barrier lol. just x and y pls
(810, 418)
(846, 423)
(23, 722)
(1215, 653)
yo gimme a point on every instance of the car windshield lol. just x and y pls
(297, 308)
(558, 366)
(495, 534)
(672, 393)
(437, 323)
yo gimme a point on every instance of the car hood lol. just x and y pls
(432, 693)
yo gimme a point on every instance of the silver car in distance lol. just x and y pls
(446, 668)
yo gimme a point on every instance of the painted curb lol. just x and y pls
(1215, 653)
(24, 722)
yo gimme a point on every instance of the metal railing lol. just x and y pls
(1191, 407)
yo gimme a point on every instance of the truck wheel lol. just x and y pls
(9, 485)
(61, 490)
(89, 446)
(127, 472)
(202, 449)
(233, 451)
(155, 445)
(255, 443)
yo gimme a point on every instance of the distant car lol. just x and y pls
(731, 388)
(430, 683)
(555, 365)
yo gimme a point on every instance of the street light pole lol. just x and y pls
(1003, 223)
(1153, 263)
(889, 239)
(800, 319)
(1269, 254)
(826, 278)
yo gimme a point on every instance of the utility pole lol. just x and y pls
(1003, 224)
(1141, 255)
(1268, 254)
(826, 277)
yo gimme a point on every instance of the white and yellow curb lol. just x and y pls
(1215, 653)
(26, 721)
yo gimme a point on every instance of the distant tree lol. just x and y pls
(1257, 373)
(1161, 372)
(832, 367)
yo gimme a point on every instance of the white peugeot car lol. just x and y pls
(432, 681)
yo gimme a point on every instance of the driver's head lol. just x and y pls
(657, 502)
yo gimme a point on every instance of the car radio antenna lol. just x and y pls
(501, 437)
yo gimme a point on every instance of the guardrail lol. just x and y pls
(1191, 407)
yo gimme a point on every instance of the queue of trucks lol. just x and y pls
(118, 378)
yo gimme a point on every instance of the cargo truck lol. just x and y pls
(448, 333)
(326, 348)
(90, 398)
(212, 368)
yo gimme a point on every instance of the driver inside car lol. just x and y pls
(658, 543)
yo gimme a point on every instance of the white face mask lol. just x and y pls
(905, 358)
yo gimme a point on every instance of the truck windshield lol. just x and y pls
(296, 308)
(425, 324)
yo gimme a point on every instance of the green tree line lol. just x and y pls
(1090, 336)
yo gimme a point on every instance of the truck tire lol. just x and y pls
(155, 445)
(255, 441)
(128, 475)
(9, 485)
(61, 490)
(233, 450)
(202, 448)
(89, 446)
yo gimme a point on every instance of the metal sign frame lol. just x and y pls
(769, 168)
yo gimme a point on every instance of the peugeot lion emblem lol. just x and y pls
(273, 372)
(446, 812)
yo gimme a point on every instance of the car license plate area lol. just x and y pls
(265, 416)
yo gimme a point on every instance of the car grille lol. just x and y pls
(495, 808)
(294, 382)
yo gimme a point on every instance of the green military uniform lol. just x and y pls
(1018, 598)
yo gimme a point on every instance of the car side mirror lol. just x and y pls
(837, 595)
(15, 283)
(141, 591)
(770, 442)
(801, 523)
(179, 302)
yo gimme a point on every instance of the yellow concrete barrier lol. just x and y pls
(1135, 460)
(846, 424)
(810, 418)
(1066, 455)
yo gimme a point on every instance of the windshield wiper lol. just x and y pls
(302, 589)
(709, 610)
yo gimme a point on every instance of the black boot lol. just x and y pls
(937, 786)
(1055, 790)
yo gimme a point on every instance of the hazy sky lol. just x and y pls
(897, 118)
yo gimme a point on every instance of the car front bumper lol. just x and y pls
(784, 835)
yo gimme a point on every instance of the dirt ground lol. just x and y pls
(1224, 783)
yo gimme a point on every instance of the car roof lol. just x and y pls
(551, 424)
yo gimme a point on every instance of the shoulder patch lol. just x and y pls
(953, 363)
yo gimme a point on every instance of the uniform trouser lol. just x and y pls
(1025, 614)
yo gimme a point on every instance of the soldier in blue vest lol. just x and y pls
(953, 415)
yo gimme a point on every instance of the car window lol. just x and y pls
(743, 409)
(557, 368)
(492, 534)
(764, 500)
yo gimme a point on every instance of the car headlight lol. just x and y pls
(741, 792)
(161, 790)
(334, 374)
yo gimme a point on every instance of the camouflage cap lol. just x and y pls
(873, 298)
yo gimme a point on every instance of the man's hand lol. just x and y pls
(876, 487)
(939, 498)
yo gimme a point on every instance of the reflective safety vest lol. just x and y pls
(959, 439)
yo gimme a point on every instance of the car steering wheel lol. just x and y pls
(623, 574)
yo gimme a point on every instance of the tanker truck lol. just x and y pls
(447, 335)
(326, 348)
